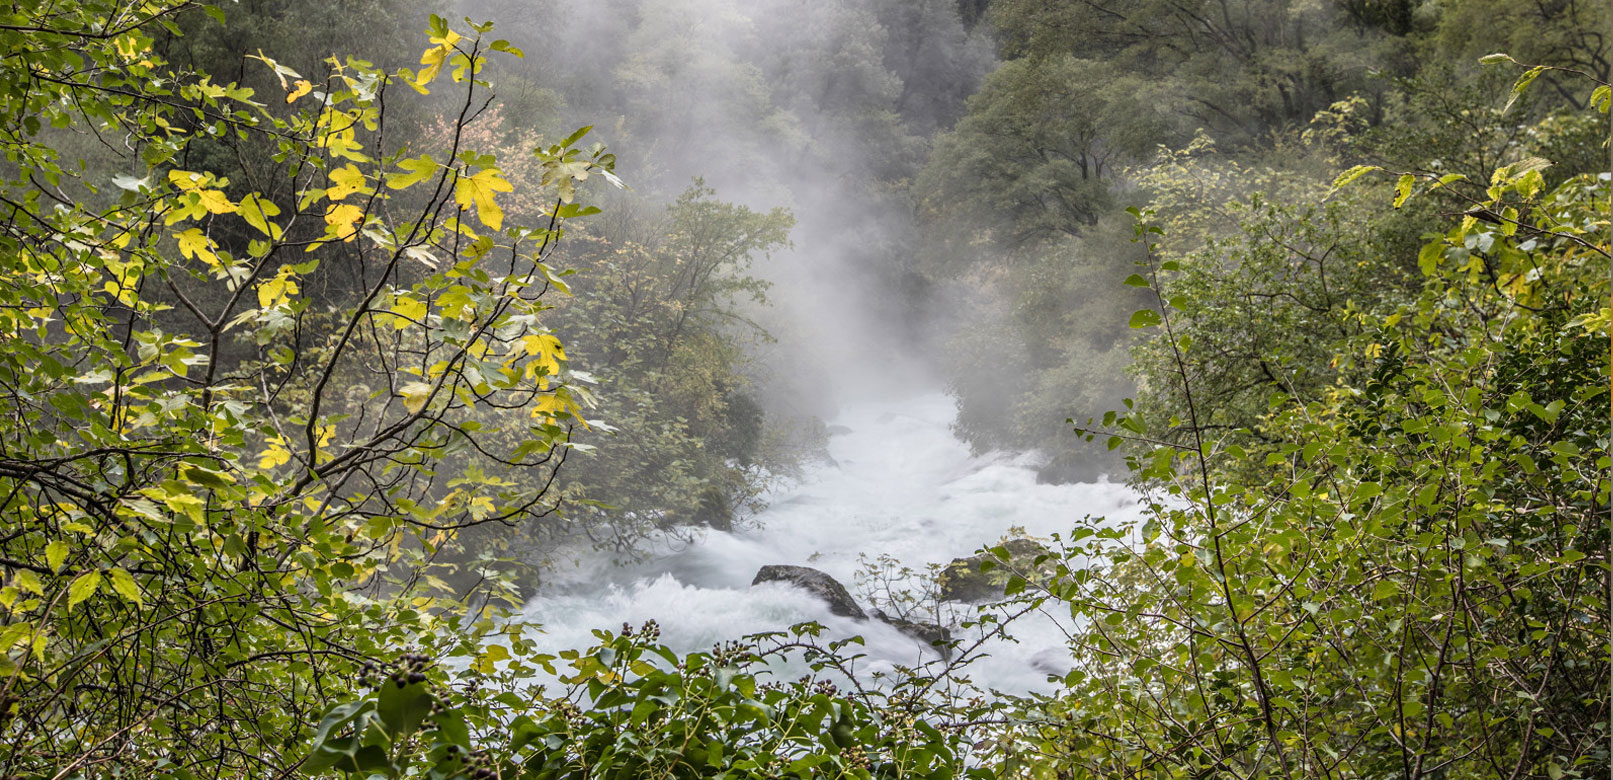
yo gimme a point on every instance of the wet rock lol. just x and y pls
(963, 580)
(1051, 663)
(937, 637)
(815, 582)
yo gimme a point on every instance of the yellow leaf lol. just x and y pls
(187, 206)
(273, 292)
(215, 202)
(548, 351)
(415, 395)
(434, 57)
(549, 405)
(193, 244)
(341, 221)
(409, 311)
(478, 190)
(274, 455)
(29, 581)
(187, 180)
(542, 344)
(130, 45)
(338, 133)
(347, 180)
(303, 88)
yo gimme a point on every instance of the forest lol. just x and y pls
(1159, 389)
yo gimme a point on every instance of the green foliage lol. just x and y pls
(1039, 149)
(662, 313)
(1238, 70)
(1263, 311)
(634, 708)
(1398, 567)
(1226, 120)
(219, 492)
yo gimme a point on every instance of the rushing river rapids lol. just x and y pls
(900, 484)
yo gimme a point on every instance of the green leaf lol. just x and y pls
(56, 555)
(1353, 174)
(1386, 588)
(1601, 97)
(415, 170)
(576, 136)
(126, 587)
(207, 478)
(1136, 280)
(1145, 318)
(83, 587)
(1403, 188)
(403, 708)
(1522, 84)
(1491, 59)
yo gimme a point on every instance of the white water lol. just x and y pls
(901, 485)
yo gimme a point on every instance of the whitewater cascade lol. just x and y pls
(899, 484)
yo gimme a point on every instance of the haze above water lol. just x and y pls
(899, 484)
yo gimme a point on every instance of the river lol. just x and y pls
(899, 484)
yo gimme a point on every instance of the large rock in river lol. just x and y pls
(815, 582)
(841, 603)
(968, 579)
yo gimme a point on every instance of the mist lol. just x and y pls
(824, 109)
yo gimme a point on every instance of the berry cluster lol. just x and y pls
(728, 653)
(477, 764)
(409, 669)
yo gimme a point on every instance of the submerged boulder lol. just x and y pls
(936, 637)
(970, 579)
(815, 582)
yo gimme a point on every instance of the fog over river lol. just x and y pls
(899, 484)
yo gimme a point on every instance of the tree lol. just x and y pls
(220, 495)
(1039, 150)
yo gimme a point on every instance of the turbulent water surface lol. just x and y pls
(899, 484)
